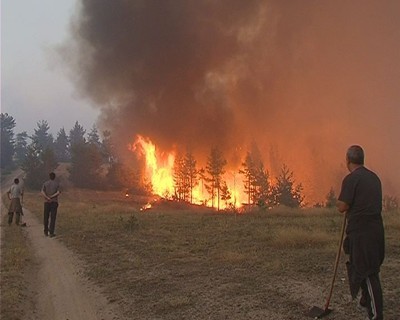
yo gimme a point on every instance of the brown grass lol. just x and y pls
(183, 264)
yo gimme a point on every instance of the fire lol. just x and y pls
(159, 170)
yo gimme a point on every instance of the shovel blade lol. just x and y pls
(318, 313)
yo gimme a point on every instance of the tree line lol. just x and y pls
(256, 180)
(92, 160)
(93, 163)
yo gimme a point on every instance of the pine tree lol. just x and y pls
(191, 172)
(249, 172)
(86, 166)
(286, 192)
(7, 123)
(42, 138)
(61, 146)
(77, 135)
(331, 199)
(215, 169)
(21, 147)
(38, 164)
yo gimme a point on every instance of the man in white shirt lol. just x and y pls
(16, 195)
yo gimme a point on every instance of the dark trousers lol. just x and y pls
(50, 213)
(372, 296)
(11, 216)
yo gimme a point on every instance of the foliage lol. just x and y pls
(185, 176)
(37, 165)
(121, 176)
(285, 191)
(61, 146)
(86, 166)
(21, 147)
(7, 123)
(215, 170)
(331, 199)
(77, 135)
(256, 181)
(41, 137)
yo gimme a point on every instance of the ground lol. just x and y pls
(112, 261)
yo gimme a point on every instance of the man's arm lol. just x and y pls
(342, 206)
(45, 195)
(55, 194)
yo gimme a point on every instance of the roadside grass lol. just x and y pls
(184, 264)
(16, 262)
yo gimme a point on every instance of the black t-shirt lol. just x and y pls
(362, 191)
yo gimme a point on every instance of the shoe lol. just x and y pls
(52, 235)
(46, 233)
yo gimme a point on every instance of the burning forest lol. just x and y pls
(277, 88)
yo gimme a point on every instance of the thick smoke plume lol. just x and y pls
(302, 80)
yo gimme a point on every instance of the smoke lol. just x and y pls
(303, 80)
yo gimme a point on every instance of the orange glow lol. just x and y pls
(159, 169)
(160, 172)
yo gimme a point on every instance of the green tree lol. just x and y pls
(185, 176)
(86, 166)
(42, 137)
(61, 146)
(7, 140)
(37, 165)
(330, 199)
(286, 192)
(263, 190)
(21, 147)
(93, 137)
(215, 170)
(256, 180)
(77, 135)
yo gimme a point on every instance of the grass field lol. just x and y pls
(175, 262)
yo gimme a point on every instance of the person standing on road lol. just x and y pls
(50, 192)
(361, 200)
(16, 195)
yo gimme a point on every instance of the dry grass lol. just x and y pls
(16, 260)
(184, 264)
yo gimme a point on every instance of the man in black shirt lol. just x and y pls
(361, 200)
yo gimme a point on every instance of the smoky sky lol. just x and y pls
(301, 79)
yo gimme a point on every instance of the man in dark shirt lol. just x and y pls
(50, 192)
(361, 200)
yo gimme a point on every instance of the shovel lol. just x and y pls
(316, 312)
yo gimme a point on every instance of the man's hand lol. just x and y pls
(342, 206)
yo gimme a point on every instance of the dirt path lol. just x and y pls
(59, 289)
(62, 292)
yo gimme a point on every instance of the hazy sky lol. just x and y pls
(34, 85)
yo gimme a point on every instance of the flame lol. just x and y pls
(159, 170)
(145, 207)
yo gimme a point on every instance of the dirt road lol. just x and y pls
(57, 285)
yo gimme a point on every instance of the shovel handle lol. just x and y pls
(328, 300)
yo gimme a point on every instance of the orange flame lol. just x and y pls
(160, 172)
(159, 169)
